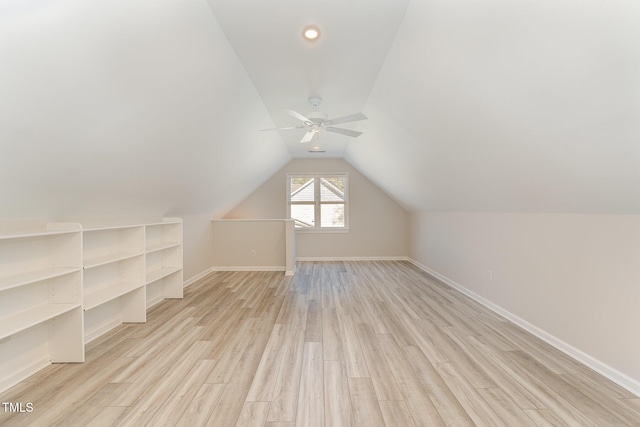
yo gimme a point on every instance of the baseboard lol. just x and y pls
(603, 369)
(156, 301)
(198, 276)
(103, 329)
(24, 373)
(353, 258)
(250, 268)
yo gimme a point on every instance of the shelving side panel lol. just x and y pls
(155, 293)
(133, 306)
(67, 337)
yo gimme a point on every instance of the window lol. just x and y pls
(318, 202)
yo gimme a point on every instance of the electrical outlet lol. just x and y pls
(490, 275)
(253, 252)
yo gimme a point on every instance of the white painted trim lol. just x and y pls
(325, 230)
(251, 268)
(289, 247)
(98, 332)
(290, 272)
(198, 276)
(248, 220)
(24, 373)
(317, 203)
(158, 300)
(603, 369)
(353, 258)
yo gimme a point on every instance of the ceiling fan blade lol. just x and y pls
(307, 137)
(345, 119)
(287, 128)
(348, 132)
(297, 115)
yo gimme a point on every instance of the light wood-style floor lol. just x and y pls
(338, 344)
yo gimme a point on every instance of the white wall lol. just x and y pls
(245, 244)
(508, 106)
(127, 108)
(197, 245)
(575, 277)
(378, 226)
(234, 241)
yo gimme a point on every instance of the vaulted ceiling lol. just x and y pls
(340, 67)
(481, 106)
(139, 106)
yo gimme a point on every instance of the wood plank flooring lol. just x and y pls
(338, 344)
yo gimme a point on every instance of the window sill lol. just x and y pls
(322, 230)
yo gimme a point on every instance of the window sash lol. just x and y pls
(318, 203)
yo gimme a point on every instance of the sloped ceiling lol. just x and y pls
(125, 107)
(340, 67)
(476, 106)
(509, 106)
(146, 107)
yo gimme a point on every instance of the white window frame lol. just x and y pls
(317, 203)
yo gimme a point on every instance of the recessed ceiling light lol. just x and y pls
(311, 33)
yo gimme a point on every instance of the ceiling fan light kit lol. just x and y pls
(315, 121)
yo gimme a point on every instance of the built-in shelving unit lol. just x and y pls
(113, 262)
(163, 257)
(40, 297)
(63, 284)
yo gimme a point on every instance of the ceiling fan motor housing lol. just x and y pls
(316, 116)
(315, 102)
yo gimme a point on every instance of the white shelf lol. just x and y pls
(158, 274)
(107, 223)
(22, 279)
(109, 258)
(18, 322)
(98, 227)
(108, 293)
(22, 234)
(27, 229)
(161, 246)
(49, 277)
(164, 221)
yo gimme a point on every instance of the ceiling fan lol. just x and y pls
(315, 121)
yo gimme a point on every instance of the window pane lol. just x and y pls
(332, 215)
(303, 215)
(332, 189)
(302, 189)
